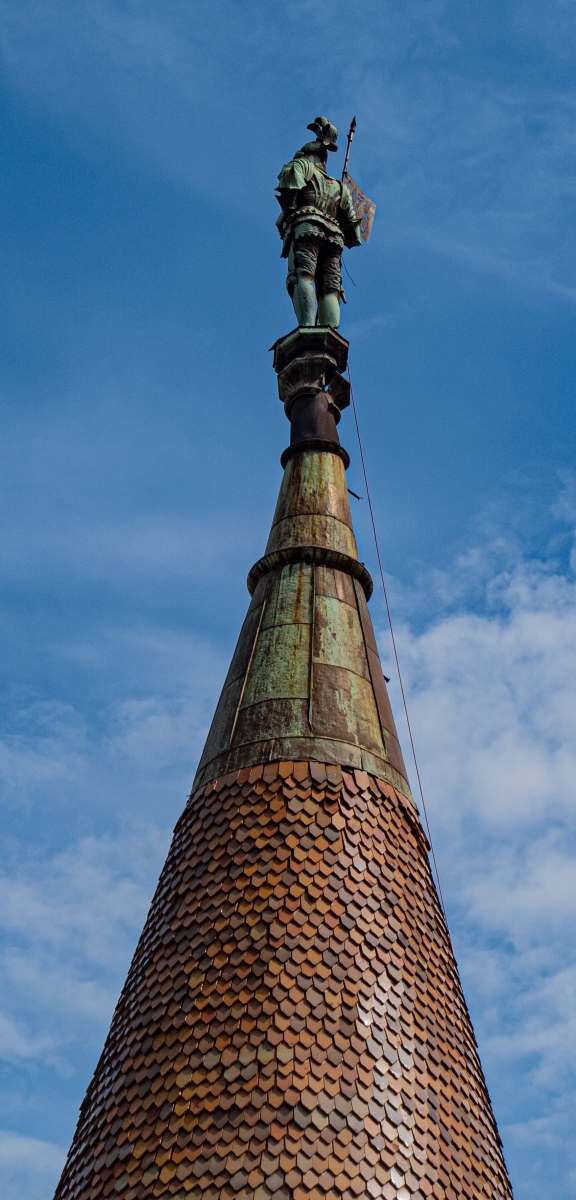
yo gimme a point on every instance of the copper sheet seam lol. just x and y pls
(311, 664)
(247, 675)
(369, 665)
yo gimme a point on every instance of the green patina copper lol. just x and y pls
(305, 681)
(313, 507)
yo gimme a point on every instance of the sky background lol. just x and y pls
(139, 465)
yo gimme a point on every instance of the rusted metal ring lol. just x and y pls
(318, 445)
(318, 556)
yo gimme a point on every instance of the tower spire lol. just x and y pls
(292, 1026)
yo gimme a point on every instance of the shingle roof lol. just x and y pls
(292, 1024)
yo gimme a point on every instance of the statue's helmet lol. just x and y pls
(326, 133)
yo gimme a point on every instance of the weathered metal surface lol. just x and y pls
(306, 374)
(315, 483)
(277, 701)
(329, 750)
(313, 508)
(306, 680)
(314, 417)
(312, 529)
(292, 1026)
(280, 669)
(309, 363)
(343, 708)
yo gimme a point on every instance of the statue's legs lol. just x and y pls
(329, 309)
(302, 262)
(329, 284)
(304, 299)
(314, 260)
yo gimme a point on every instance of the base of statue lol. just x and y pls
(309, 363)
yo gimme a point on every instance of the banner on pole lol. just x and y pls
(363, 207)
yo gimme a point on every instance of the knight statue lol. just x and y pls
(317, 220)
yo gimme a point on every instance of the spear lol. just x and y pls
(351, 132)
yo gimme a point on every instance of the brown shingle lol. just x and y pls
(296, 1050)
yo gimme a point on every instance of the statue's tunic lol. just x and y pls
(314, 204)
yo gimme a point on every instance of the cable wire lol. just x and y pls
(385, 591)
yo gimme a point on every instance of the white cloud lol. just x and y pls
(492, 698)
(72, 905)
(54, 754)
(48, 752)
(29, 1167)
(32, 1153)
(69, 926)
(14, 1044)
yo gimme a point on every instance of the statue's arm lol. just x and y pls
(348, 221)
(292, 178)
(295, 175)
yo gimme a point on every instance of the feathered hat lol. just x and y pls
(326, 133)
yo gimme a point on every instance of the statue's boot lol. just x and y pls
(304, 300)
(329, 309)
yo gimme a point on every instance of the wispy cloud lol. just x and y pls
(29, 1167)
(16, 1150)
(71, 904)
(15, 1045)
(492, 698)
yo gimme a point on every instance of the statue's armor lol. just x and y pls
(314, 203)
(322, 193)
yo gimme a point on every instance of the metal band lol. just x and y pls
(318, 556)
(318, 445)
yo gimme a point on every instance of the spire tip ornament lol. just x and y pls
(317, 221)
(320, 216)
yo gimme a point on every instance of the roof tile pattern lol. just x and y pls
(292, 1026)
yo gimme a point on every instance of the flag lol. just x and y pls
(363, 207)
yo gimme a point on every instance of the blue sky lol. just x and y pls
(139, 456)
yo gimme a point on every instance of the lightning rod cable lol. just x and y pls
(394, 647)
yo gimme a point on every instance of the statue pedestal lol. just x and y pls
(309, 363)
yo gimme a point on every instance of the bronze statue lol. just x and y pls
(317, 220)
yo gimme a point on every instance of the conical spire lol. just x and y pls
(292, 1026)
(305, 681)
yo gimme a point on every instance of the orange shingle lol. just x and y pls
(287, 1029)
